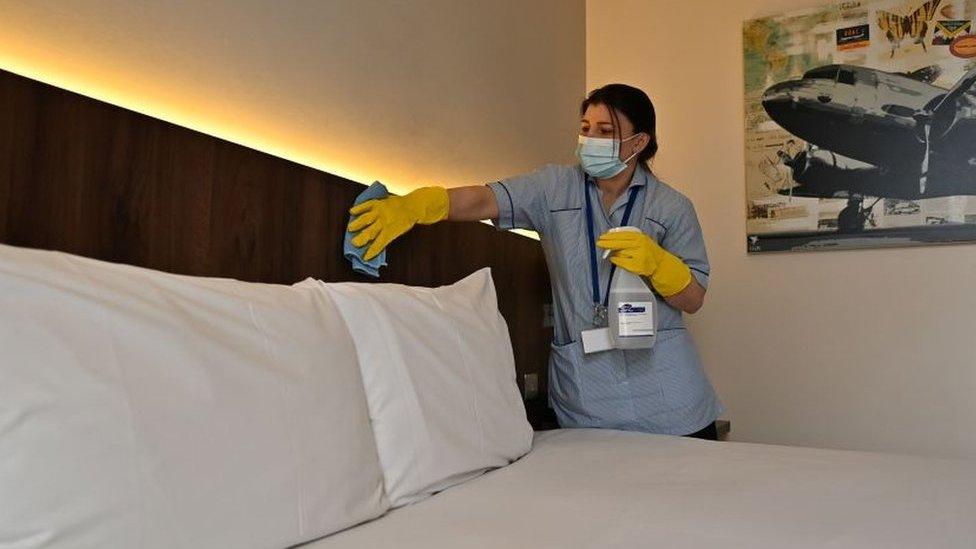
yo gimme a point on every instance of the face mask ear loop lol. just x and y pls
(631, 157)
(635, 152)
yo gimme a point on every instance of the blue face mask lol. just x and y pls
(600, 156)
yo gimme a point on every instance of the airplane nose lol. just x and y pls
(779, 100)
(778, 93)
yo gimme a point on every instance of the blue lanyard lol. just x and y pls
(594, 272)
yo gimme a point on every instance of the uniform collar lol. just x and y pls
(641, 178)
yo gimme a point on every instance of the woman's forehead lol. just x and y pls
(598, 113)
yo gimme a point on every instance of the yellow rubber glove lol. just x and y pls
(380, 222)
(639, 254)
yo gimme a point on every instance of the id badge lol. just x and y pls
(597, 340)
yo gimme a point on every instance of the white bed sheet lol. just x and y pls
(598, 488)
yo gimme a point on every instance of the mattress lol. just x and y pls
(600, 488)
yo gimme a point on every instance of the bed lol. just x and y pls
(598, 488)
(218, 380)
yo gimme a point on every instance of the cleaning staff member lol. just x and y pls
(657, 390)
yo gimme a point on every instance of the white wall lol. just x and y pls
(861, 349)
(411, 92)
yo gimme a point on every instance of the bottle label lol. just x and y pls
(636, 318)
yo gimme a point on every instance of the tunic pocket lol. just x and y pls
(564, 376)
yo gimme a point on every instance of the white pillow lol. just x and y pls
(440, 381)
(143, 409)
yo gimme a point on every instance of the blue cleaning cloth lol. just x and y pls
(354, 254)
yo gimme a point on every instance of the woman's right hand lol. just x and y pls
(380, 222)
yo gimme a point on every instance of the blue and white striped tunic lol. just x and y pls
(659, 390)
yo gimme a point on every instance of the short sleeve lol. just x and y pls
(522, 201)
(684, 239)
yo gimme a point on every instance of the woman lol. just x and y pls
(659, 390)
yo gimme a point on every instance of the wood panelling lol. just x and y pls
(89, 178)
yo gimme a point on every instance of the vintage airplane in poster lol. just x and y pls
(877, 134)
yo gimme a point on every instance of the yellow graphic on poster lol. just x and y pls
(860, 126)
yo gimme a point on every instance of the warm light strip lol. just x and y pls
(529, 234)
(174, 116)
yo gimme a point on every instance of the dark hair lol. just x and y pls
(632, 103)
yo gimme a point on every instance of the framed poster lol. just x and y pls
(860, 126)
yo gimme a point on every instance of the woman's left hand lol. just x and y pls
(641, 255)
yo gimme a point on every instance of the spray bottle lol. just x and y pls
(633, 314)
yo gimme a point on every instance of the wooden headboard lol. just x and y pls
(89, 178)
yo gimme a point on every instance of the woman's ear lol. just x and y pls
(643, 141)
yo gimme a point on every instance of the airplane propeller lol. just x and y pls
(926, 117)
(924, 177)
